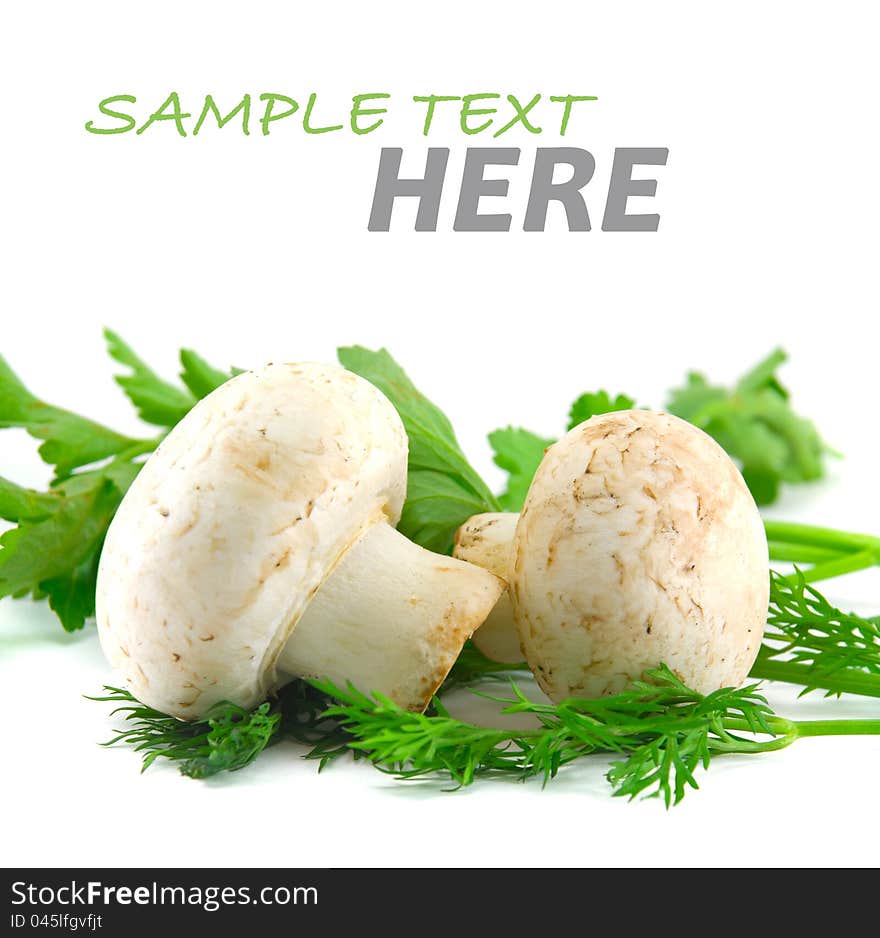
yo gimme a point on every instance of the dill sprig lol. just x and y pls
(660, 730)
(811, 642)
(228, 738)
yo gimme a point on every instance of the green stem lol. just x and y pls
(802, 553)
(860, 560)
(139, 448)
(838, 728)
(841, 681)
(832, 552)
(790, 532)
(785, 731)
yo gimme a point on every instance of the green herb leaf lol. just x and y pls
(659, 729)
(71, 441)
(200, 377)
(810, 642)
(57, 555)
(434, 504)
(663, 730)
(589, 405)
(157, 401)
(436, 507)
(21, 504)
(227, 739)
(755, 423)
(72, 594)
(230, 737)
(519, 452)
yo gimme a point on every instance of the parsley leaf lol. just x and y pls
(588, 405)
(71, 441)
(434, 503)
(443, 488)
(519, 452)
(57, 554)
(200, 377)
(157, 401)
(20, 504)
(755, 423)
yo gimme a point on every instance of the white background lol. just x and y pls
(253, 249)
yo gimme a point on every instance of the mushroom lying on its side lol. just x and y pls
(257, 545)
(639, 544)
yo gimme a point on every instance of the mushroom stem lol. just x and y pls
(390, 618)
(487, 540)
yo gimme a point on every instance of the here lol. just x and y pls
(428, 189)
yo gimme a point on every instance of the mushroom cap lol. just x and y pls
(639, 544)
(233, 524)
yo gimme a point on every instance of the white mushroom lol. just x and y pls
(487, 540)
(257, 544)
(639, 544)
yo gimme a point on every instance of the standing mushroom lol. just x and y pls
(257, 545)
(639, 544)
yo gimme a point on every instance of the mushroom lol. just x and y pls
(486, 540)
(639, 544)
(257, 544)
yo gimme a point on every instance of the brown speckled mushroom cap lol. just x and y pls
(639, 544)
(234, 523)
